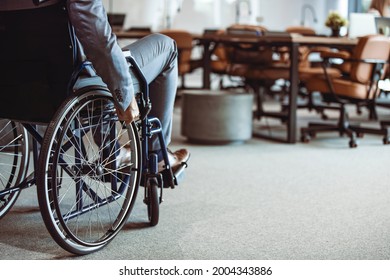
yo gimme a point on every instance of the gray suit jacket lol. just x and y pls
(100, 46)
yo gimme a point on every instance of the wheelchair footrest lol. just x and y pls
(180, 173)
(173, 179)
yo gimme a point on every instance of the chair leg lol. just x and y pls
(311, 105)
(384, 130)
(373, 113)
(343, 127)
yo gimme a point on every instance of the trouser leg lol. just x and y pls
(157, 57)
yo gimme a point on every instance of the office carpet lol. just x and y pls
(255, 200)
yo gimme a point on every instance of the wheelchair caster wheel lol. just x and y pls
(386, 140)
(152, 202)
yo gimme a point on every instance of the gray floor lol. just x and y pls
(256, 200)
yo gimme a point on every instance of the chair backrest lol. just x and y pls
(303, 30)
(368, 47)
(184, 42)
(248, 53)
(247, 29)
(37, 57)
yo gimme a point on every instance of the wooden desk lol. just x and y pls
(293, 41)
(210, 41)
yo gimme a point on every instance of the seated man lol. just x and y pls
(156, 55)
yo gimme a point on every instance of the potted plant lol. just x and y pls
(335, 21)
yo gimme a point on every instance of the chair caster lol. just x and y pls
(305, 138)
(152, 202)
(353, 144)
(386, 140)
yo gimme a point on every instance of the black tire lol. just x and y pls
(14, 159)
(153, 202)
(86, 208)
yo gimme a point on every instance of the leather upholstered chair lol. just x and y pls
(225, 56)
(367, 61)
(303, 30)
(184, 41)
(256, 65)
(219, 63)
(304, 51)
(308, 68)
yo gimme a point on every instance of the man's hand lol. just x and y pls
(130, 114)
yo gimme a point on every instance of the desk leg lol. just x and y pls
(292, 106)
(206, 65)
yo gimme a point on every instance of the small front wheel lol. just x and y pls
(153, 202)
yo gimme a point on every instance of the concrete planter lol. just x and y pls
(216, 116)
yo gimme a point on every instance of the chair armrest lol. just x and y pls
(335, 54)
(369, 60)
(366, 60)
(142, 97)
(131, 60)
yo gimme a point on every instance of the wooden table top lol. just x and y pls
(272, 37)
(278, 38)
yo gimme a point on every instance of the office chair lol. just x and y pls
(307, 68)
(184, 41)
(368, 61)
(219, 63)
(303, 30)
(258, 66)
(225, 55)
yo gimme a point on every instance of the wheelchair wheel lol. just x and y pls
(14, 158)
(152, 201)
(85, 208)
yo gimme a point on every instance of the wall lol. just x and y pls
(196, 15)
(279, 14)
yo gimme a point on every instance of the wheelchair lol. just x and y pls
(85, 195)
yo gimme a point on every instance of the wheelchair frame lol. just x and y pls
(150, 178)
(72, 183)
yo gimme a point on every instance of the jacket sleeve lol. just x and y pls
(92, 29)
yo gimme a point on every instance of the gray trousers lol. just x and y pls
(156, 55)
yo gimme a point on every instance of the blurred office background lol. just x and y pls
(197, 15)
